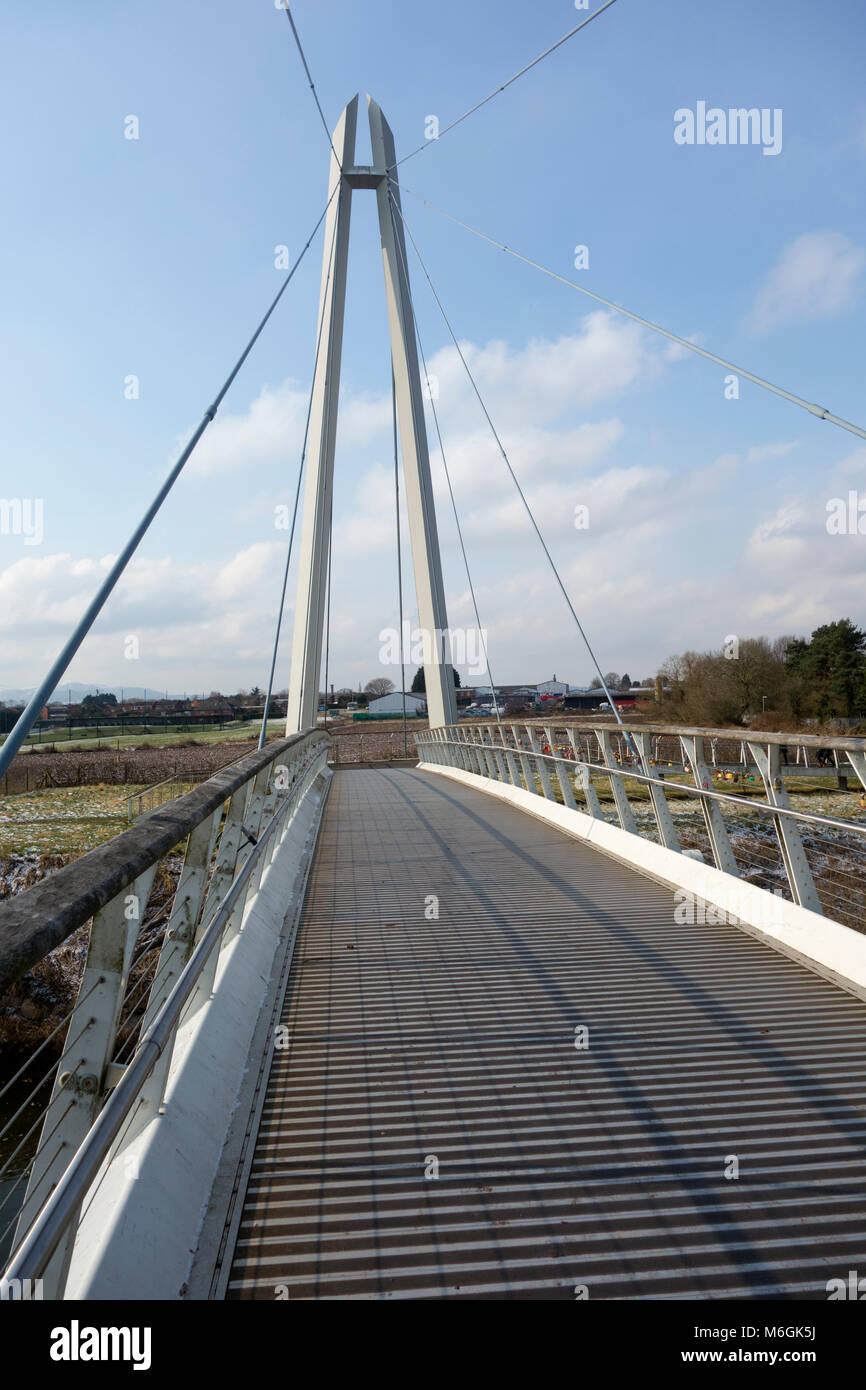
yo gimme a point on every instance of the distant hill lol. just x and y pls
(74, 694)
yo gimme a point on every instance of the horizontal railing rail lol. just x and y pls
(139, 803)
(63, 1206)
(710, 793)
(798, 740)
(35, 922)
(130, 991)
(823, 869)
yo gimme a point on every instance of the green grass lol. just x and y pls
(240, 732)
(680, 787)
(63, 820)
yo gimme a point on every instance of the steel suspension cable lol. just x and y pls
(460, 534)
(399, 557)
(284, 5)
(514, 478)
(817, 410)
(327, 613)
(56, 672)
(263, 733)
(453, 502)
(417, 332)
(495, 93)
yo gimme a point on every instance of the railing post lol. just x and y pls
(565, 786)
(442, 753)
(661, 810)
(458, 755)
(540, 763)
(227, 853)
(180, 930)
(468, 754)
(623, 809)
(498, 740)
(524, 760)
(153, 1091)
(584, 777)
(261, 815)
(489, 756)
(176, 951)
(858, 762)
(794, 858)
(499, 763)
(510, 759)
(268, 806)
(221, 880)
(714, 821)
(478, 764)
(80, 1080)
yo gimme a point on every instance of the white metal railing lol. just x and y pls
(231, 827)
(140, 803)
(819, 861)
(371, 747)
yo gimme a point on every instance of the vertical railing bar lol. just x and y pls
(799, 874)
(714, 821)
(565, 786)
(621, 801)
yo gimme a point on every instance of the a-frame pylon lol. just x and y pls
(316, 526)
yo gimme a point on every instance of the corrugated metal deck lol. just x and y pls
(413, 1040)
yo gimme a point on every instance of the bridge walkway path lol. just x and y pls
(433, 1130)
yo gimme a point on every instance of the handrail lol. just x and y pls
(170, 781)
(750, 803)
(482, 749)
(741, 735)
(38, 920)
(35, 1251)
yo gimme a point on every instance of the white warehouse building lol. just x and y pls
(553, 687)
(393, 704)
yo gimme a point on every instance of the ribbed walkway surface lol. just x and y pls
(451, 1042)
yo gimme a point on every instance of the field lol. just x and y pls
(381, 741)
(140, 736)
(123, 766)
(65, 820)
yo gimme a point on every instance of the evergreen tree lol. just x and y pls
(419, 685)
(833, 664)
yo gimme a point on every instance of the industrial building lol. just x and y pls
(393, 704)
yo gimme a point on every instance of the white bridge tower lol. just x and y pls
(316, 527)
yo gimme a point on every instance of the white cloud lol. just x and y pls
(815, 276)
(762, 452)
(546, 379)
(541, 382)
(271, 430)
(677, 554)
(186, 616)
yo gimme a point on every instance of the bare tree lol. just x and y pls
(380, 686)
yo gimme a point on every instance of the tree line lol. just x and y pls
(821, 677)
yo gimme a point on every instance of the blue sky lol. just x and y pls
(155, 257)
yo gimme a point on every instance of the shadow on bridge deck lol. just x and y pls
(420, 1046)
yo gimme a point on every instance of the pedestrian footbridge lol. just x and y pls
(565, 1010)
(437, 1033)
